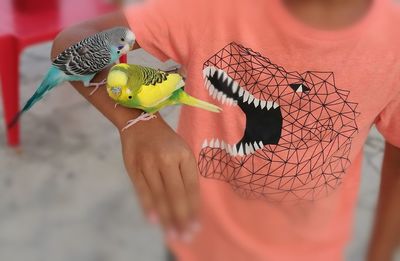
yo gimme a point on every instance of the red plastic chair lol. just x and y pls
(26, 22)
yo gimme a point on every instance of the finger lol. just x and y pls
(190, 177)
(144, 194)
(154, 180)
(176, 196)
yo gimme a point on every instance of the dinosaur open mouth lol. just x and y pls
(259, 112)
(298, 131)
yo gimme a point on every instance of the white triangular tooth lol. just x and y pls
(220, 73)
(205, 144)
(247, 149)
(205, 71)
(211, 89)
(241, 92)
(234, 150)
(276, 105)
(300, 89)
(261, 144)
(251, 98)
(240, 151)
(212, 71)
(252, 150)
(225, 77)
(209, 71)
(223, 145)
(256, 147)
(223, 99)
(229, 81)
(229, 148)
(211, 143)
(216, 143)
(206, 85)
(269, 105)
(263, 104)
(246, 96)
(208, 82)
(235, 87)
(219, 96)
(215, 94)
(256, 102)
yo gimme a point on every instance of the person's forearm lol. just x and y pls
(386, 232)
(163, 171)
(100, 99)
(119, 115)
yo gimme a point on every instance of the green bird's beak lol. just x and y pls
(115, 92)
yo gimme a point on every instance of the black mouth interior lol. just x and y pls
(261, 124)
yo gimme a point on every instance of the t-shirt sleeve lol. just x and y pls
(388, 122)
(162, 28)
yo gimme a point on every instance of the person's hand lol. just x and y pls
(165, 175)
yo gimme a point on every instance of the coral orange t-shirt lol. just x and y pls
(280, 166)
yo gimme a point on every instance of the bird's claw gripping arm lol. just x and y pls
(96, 86)
(143, 117)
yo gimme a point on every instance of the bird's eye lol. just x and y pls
(122, 39)
(129, 97)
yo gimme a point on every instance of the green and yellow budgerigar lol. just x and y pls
(150, 90)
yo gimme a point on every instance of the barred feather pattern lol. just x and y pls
(87, 57)
(151, 76)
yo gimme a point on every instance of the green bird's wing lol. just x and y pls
(152, 87)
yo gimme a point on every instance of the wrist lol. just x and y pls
(122, 115)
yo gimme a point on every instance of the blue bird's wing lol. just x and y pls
(87, 57)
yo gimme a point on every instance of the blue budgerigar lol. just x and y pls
(82, 61)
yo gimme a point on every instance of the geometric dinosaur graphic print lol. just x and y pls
(298, 134)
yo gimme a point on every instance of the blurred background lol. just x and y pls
(64, 194)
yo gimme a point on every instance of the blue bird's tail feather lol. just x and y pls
(51, 80)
